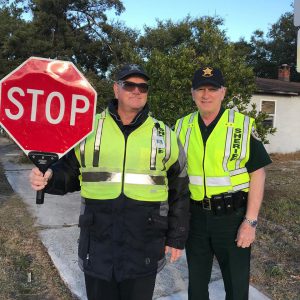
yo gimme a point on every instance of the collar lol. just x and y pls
(214, 122)
(138, 119)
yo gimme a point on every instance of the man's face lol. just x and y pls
(131, 98)
(208, 98)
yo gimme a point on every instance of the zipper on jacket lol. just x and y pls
(124, 161)
(87, 258)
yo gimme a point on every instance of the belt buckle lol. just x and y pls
(206, 204)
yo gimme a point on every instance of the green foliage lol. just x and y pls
(259, 117)
(283, 43)
(13, 44)
(275, 271)
(104, 89)
(172, 64)
(171, 74)
(165, 37)
(265, 53)
(77, 31)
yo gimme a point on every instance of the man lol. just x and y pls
(225, 162)
(134, 188)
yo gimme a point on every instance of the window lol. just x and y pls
(268, 107)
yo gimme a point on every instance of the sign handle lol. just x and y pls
(40, 197)
(43, 160)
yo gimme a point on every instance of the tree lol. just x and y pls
(165, 37)
(13, 39)
(282, 44)
(266, 53)
(257, 54)
(70, 30)
(76, 30)
(171, 65)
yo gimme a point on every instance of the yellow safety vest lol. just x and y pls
(137, 167)
(219, 167)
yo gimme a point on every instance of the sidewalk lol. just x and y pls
(57, 221)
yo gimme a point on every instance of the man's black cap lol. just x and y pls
(131, 69)
(207, 76)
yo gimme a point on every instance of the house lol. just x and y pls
(280, 99)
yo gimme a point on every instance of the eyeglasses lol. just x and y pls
(130, 86)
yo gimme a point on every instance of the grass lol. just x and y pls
(23, 159)
(26, 271)
(276, 255)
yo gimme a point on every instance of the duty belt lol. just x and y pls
(223, 203)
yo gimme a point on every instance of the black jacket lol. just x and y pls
(123, 237)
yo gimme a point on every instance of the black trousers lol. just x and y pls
(130, 289)
(210, 236)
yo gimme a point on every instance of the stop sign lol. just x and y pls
(47, 105)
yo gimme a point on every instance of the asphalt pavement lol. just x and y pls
(57, 220)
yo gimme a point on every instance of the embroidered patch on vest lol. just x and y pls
(255, 134)
(160, 143)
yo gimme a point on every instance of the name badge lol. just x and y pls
(160, 142)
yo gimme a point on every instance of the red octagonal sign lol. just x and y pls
(47, 105)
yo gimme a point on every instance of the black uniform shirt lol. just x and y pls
(258, 157)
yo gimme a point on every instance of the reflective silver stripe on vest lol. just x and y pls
(128, 178)
(167, 144)
(244, 142)
(228, 140)
(81, 149)
(196, 180)
(218, 181)
(153, 146)
(97, 143)
(241, 186)
(188, 133)
(238, 172)
(144, 179)
(179, 127)
(101, 176)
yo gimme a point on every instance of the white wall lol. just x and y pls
(287, 122)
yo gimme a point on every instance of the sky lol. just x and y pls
(241, 17)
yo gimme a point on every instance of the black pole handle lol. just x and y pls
(40, 197)
(43, 160)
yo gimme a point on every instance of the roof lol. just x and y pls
(275, 86)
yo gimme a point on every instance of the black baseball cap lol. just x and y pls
(207, 76)
(131, 69)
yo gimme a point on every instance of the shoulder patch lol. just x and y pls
(255, 134)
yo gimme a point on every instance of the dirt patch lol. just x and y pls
(294, 156)
(276, 255)
(26, 271)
